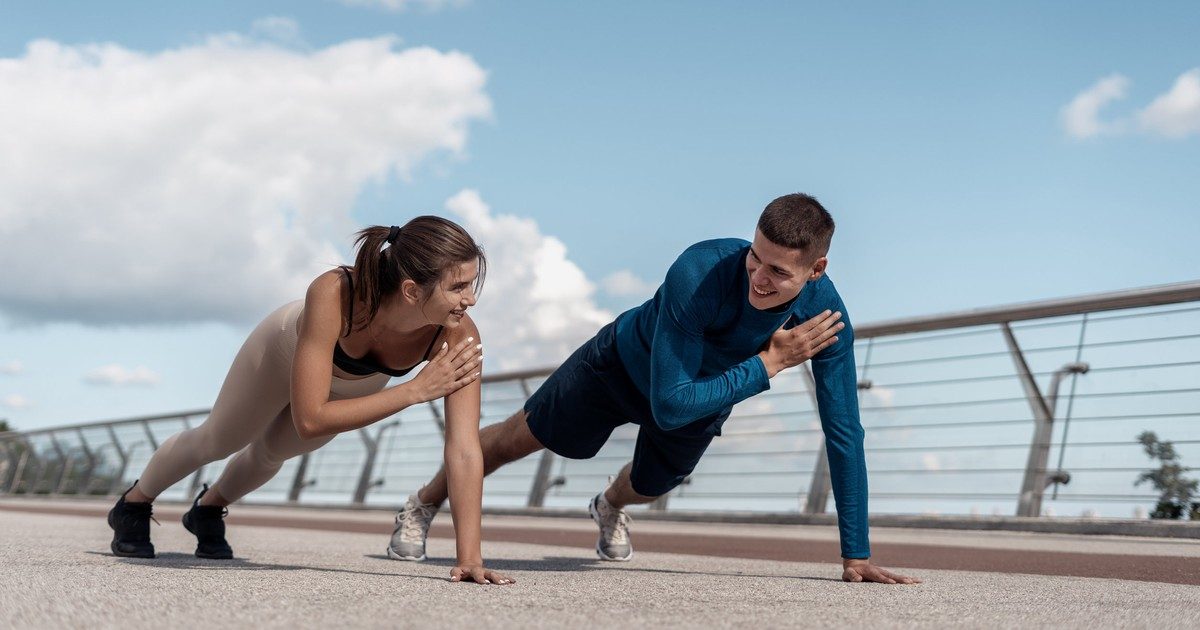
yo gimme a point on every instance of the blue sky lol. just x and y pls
(622, 132)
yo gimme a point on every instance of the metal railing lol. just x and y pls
(1033, 408)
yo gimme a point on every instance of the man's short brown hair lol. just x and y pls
(798, 221)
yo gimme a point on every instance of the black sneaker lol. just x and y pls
(207, 522)
(130, 523)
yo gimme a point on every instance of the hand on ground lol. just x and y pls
(863, 571)
(479, 575)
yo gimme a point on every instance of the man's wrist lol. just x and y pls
(849, 562)
(768, 364)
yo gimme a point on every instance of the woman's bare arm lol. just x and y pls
(312, 371)
(464, 474)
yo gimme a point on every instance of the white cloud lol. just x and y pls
(208, 182)
(12, 367)
(1173, 114)
(879, 396)
(402, 5)
(284, 30)
(756, 406)
(537, 305)
(116, 375)
(1081, 117)
(625, 283)
(1176, 113)
(17, 401)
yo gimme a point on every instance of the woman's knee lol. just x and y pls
(262, 453)
(203, 444)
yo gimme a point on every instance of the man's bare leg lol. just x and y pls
(607, 510)
(620, 492)
(501, 443)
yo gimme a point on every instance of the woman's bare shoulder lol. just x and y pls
(465, 328)
(331, 285)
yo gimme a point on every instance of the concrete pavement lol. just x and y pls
(58, 573)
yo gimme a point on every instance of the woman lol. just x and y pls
(318, 367)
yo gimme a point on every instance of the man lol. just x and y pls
(714, 334)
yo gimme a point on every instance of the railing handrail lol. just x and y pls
(1157, 295)
(115, 422)
(516, 375)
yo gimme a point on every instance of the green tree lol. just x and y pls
(5, 458)
(1175, 490)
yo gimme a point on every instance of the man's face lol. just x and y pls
(777, 273)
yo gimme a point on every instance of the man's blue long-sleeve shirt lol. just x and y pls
(693, 349)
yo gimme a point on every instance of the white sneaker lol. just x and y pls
(614, 543)
(412, 528)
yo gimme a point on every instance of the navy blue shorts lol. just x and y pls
(575, 411)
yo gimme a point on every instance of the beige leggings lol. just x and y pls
(251, 417)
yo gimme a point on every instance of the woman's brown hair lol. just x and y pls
(420, 250)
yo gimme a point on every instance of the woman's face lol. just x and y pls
(452, 295)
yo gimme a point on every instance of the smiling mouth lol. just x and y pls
(458, 312)
(760, 293)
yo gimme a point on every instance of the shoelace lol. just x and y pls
(414, 528)
(616, 527)
(134, 511)
(209, 523)
(224, 510)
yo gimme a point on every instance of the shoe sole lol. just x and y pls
(395, 556)
(199, 554)
(214, 556)
(599, 552)
(128, 554)
(124, 554)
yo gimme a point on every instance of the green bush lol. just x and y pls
(1176, 490)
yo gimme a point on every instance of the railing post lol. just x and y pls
(150, 435)
(67, 464)
(660, 504)
(364, 476)
(123, 455)
(43, 470)
(541, 477)
(542, 481)
(10, 466)
(1033, 485)
(299, 483)
(438, 419)
(365, 483)
(820, 485)
(19, 474)
(85, 480)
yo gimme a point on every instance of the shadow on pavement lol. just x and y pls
(567, 563)
(175, 560)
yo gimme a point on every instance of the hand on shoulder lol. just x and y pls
(456, 362)
(791, 347)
